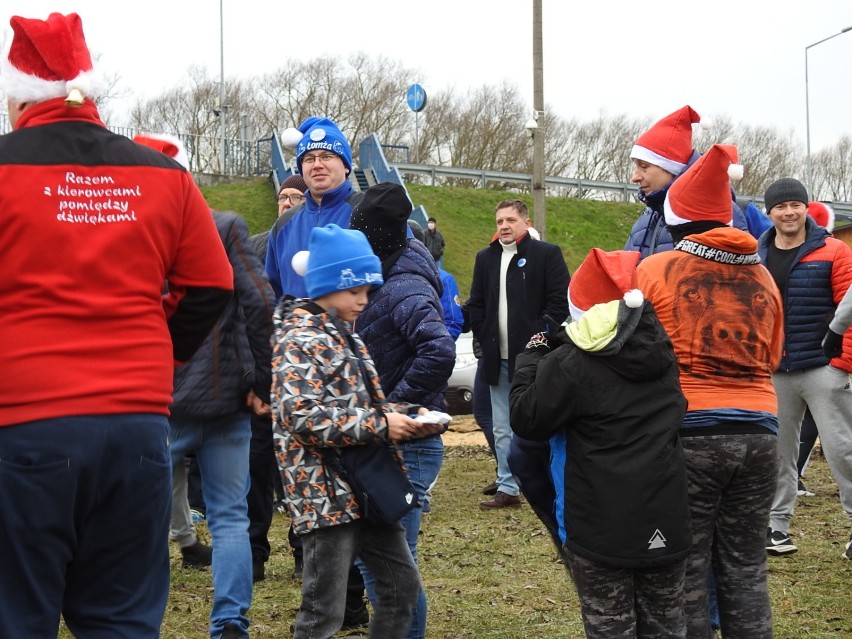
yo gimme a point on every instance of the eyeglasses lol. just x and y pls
(325, 158)
(295, 199)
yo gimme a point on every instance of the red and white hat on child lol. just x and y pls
(822, 214)
(167, 145)
(703, 192)
(604, 276)
(668, 144)
(48, 59)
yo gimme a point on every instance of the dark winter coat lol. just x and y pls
(434, 241)
(403, 328)
(536, 284)
(235, 357)
(612, 417)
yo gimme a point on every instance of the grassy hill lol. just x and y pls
(466, 218)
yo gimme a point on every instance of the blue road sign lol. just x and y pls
(416, 97)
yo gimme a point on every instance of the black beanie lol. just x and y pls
(785, 190)
(382, 215)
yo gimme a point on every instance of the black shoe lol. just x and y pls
(490, 489)
(280, 506)
(779, 543)
(258, 570)
(232, 631)
(355, 617)
(197, 555)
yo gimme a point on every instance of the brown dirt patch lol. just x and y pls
(464, 432)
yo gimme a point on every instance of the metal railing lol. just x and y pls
(625, 192)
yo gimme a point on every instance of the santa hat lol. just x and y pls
(167, 145)
(703, 192)
(822, 214)
(604, 276)
(336, 260)
(317, 134)
(668, 144)
(48, 59)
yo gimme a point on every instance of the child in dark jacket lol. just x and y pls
(326, 395)
(607, 397)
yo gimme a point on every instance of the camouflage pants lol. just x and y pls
(731, 485)
(622, 603)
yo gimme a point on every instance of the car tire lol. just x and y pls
(467, 396)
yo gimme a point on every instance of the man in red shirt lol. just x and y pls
(93, 225)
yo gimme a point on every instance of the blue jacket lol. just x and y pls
(235, 357)
(290, 235)
(403, 328)
(451, 301)
(818, 280)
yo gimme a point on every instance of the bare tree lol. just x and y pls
(482, 128)
(832, 172)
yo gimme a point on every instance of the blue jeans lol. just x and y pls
(329, 553)
(221, 446)
(506, 482)
(84, 514)
(423, 459)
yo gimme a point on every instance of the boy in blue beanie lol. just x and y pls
(326, 394)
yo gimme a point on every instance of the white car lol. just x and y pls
(459, 393)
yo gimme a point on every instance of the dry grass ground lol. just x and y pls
(494, 575)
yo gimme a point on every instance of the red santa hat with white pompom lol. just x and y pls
(604, 276)
(668, 143)
(822, 214)
(48, 59)
(703, 192)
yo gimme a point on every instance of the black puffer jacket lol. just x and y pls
(235, 357)
(612, 417)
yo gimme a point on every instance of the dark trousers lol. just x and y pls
(482, 406)
(731, 486)
(629, 602)
(262, 469)
(807, 439)
(84, 526)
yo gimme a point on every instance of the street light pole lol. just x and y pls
(808, 168)
(222, 110)
(539, 214)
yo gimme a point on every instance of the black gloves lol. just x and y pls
(556, 332)
(832, 344)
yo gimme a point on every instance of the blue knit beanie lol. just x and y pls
(337, 259)
(318, 134)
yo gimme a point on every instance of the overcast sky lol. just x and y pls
(741, 58)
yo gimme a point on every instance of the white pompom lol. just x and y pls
(291, 137)
(736, 171)
(300, 262)
(706, 123)
(634, 298)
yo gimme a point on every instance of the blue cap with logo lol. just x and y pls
(318, 134)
